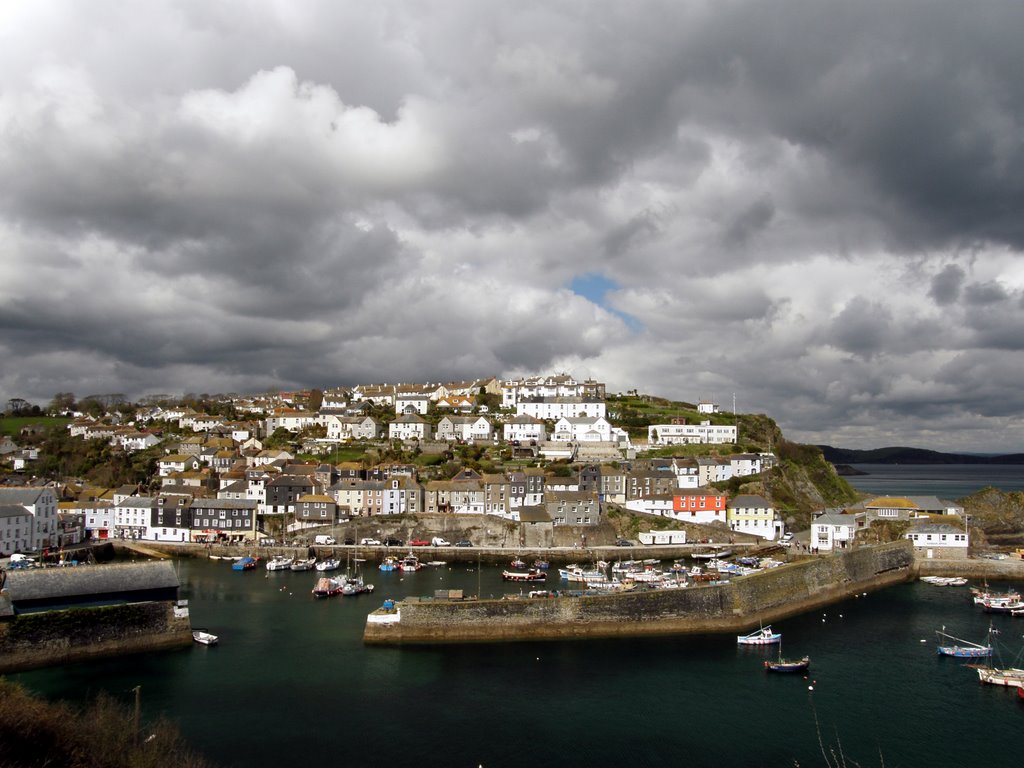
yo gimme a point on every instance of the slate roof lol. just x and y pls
(13, 510)
(20, 495)
(43, 583)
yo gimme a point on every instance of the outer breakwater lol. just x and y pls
(733, 607)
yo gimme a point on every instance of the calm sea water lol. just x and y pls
(291, 682)
(947, 481)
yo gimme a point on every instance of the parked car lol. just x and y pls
(623, 543)
(369, 542)
(350, 541)
(324, 540)
(419, 543)
(437, 541)
(391, 541)
(787, 536)
(464, 543)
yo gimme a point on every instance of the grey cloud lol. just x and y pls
(980, 294)
(947, 284)
(861, 328)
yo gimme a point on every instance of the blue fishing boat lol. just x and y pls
(244, 564)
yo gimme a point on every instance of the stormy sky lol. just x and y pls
(817, 206)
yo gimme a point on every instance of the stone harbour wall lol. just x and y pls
(734, 607)
(32, 640)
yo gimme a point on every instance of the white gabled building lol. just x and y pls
(559, 407)
(691, 434)
(15, 529)
(293, 421)
(834, 531)
(410, 426)
(524, 429)
(41, 505)
(561, 385)
(582, 430)
(412, 402)
(750, 513)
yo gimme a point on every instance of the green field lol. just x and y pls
(12, 425)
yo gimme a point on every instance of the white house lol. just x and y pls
(409, 426)
(685, 434)
(938, 540)
(41, 505)
(524, 429)
(556, 408)
(344, 428)
(133, 516)
(15, 529)
(651, 505)
(750, 513)
(834, 531)
(582, 429)
(561, 385)
(138, 441)
(706, 406)
(409, 402)
(293, 421)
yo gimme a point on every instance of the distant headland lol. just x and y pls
(899, 455)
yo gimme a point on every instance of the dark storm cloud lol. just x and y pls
(815, 203)
(947, 284)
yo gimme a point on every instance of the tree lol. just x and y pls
(62, 402)
(17, 407)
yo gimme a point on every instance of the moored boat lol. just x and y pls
(328, 587)
(1011, 677)
(787, 665)
(541, 565)
(203, 637)
(762, 636)
(531, 575)
(518, 562)
(388, 564)
(330, 564)
(963, 649)
(279, 563)
(354, 585)
(303, 565)
(409, 563)
(244, 564)
(1002, 605)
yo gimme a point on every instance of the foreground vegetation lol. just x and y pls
(35, 733)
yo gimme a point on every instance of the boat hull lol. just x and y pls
(963, 653)
(782, 665)
(1011, 678)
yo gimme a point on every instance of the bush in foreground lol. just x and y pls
(36, 733)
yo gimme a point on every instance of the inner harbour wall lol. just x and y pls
(51, 638)
(737, 606)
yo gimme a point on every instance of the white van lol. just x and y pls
(437, 541)
(323, 540)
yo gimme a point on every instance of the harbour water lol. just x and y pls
(292, 682)
(947, 481)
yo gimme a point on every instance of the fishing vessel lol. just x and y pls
(763, 636)
(787, 665)
(964, 649)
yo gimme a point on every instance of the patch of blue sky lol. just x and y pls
(595, 287)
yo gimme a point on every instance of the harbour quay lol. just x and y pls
(735, 606)
(52, 616)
